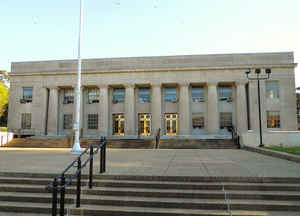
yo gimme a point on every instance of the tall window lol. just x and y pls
(197, 94)
(273, 119)
(225, 92)
(68, 96)
(92, 121)
(68, 121)
(118, 124)
(171, 125)
(93, 96)
(26, 121)
(171, 94)
(27, 94)
(272, 89)
(145, 124)
(225, 119)
(144, 95)
(198, 121)
(118, 95)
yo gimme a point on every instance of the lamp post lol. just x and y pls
(76, 147)
(259, 77)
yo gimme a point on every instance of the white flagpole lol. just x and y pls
(76, 147)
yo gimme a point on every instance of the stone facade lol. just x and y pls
(50, 79)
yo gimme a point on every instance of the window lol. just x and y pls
(144, 124)
(171, 94)
(93, 96)
(27, 95)
(26, 121)
(171, 124)
(68, 96)
(118, 124)
(198, 121)
(144, 95)
(225, 119)
(92, 121)
(272, 89)
(273, 119)
(225, 93)
(118, 95)
(68, 121)
(197, 94)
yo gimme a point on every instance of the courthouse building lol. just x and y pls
(185, 96)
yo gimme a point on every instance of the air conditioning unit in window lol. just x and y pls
(229, 99)
(201, 100)
(223, 99)
(114, 101)
(95, 101)
(174, 100)
(22, 101)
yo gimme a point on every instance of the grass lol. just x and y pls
(3, 129)
(288, 149)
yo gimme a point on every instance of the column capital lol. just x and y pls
(241, 82)
(52, 87)
(184, 84)
(212, 83)
(129, 85)
(102, 86)
(157, 85)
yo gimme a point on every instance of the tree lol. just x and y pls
(3, 95)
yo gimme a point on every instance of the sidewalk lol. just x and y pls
(160, 162)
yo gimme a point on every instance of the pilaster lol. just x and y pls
(104, 113)
(241, 107)
(129, 110)
(156, 108)
(184, 109)
(213, 123)
(53, 112)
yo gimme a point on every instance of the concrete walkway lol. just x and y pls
(189, 162)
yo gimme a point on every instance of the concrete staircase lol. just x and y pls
(169, 143)
(155, 195)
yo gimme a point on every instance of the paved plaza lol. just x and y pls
(167, 162)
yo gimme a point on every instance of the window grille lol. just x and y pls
(273, 119)
(68, 121)
(92, 121)
(225, 119)
(272, 89)
(26, 121)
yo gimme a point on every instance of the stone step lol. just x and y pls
(198, 186)
(142, 211)
(199, 194)
(25, 207)
(34, 181)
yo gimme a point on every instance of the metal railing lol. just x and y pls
(60, 183)
(235, 136)
(157, 138)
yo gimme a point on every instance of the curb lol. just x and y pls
(272, 153)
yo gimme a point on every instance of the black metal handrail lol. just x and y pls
(59, 183)
(157, 138)
(234, 135)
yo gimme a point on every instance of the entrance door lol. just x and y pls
(144, 124)
(171, 124)
(118, 124)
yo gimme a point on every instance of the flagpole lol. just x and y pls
(76, 147)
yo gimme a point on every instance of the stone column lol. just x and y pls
(156, 109)
(53, 112)
(241, 108)
(104, 113)
(184, 109)
(129, 111)
(213, 123)
(44, 110)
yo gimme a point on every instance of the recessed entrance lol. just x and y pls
(144, 124)
(118, 124)
(171, 124)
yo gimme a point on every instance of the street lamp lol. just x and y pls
(258, 76)
(76, 147)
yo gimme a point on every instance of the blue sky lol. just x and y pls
(46, 30)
